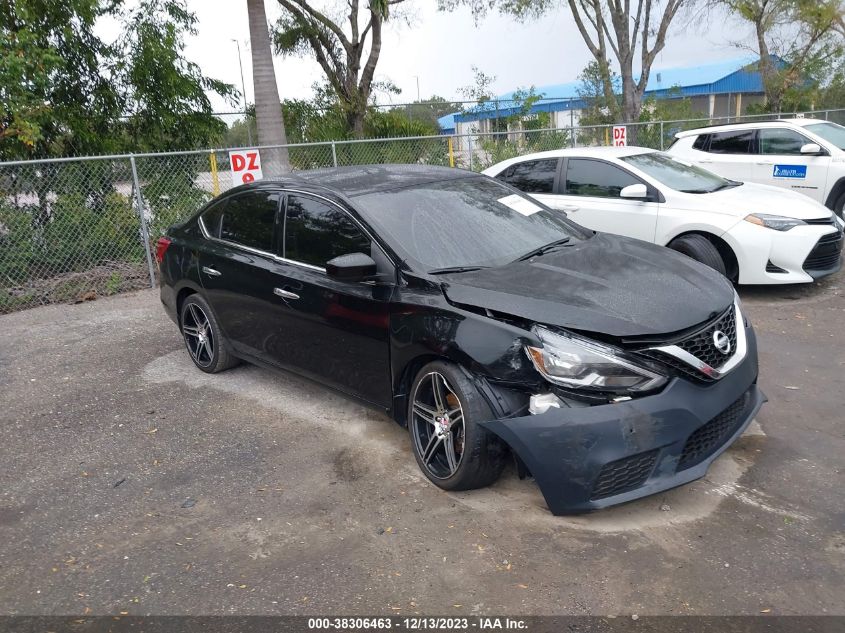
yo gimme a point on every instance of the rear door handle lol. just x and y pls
(285, 294)
(211, 272)
(569, 207)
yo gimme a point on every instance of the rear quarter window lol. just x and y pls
(734, 142)
(701, 142)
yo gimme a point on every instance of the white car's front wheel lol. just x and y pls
(701, 250)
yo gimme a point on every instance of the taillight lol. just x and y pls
(161, 248)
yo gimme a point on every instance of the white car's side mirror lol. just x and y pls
(811, 148)
(638, 191)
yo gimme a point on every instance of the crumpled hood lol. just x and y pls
(608, 284)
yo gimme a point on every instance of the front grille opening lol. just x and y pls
(704, 348)
(707, 439)
(624, 474)
(826, 254)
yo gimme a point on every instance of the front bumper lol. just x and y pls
(593, 457)
(800, 255)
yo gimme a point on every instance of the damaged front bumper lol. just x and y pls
(593, 457)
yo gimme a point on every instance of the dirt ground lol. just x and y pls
(132, 482)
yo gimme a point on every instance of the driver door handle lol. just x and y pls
(285, 294)
(569, 207)
(211, 272)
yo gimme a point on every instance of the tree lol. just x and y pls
(166, 95)
(599, 109)
(268, 109)
(303, 30)
(428, 110)
(631, 34)
(56, 93)
(795, 40)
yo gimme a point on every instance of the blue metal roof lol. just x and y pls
(726, 77)
(447, 123)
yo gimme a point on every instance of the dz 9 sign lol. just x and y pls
(620, 136)
(246, 166)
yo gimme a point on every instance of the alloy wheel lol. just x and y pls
(199, 337)
(437, 425)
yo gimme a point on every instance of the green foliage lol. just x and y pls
(798, 42)
(57, 96)
(167, 97)
(64, 91)
(599, 110)
(76, 237)
(429, 110)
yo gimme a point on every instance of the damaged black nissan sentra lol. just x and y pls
(489, 325)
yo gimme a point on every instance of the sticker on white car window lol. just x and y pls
(519, 204)
(789, 171)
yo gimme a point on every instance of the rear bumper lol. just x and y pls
(589, 458)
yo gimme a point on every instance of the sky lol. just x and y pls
(438, 49)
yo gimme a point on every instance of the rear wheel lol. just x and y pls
(451, 448)
(203, 338)
(701, 250)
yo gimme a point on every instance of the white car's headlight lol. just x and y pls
(776, 222)
(579, 363)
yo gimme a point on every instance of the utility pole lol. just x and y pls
(243, 92)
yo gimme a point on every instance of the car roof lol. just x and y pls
(362, 179)
(727, 127)
(585, 152)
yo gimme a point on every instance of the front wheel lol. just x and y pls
(839, 205)
(451, 448)
(701, 250)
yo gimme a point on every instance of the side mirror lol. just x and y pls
(813, 149)
(638, 191)
(351, 267)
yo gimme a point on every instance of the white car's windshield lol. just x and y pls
(677, 174)
(830, 132)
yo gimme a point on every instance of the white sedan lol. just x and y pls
(751, 233)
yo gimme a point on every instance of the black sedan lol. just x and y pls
(489, 325)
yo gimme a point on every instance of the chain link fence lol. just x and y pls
(75, 229)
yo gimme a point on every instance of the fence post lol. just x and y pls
(661, 136)
(145, 234)
(469, 144)
(334, 154)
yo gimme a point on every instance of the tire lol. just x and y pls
(478, 456)
(701, 250)
(203, 337)
(839, 204)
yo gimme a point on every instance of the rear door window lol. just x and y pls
(532, 176)
(586, 177)
(781, 141)
(249, 219)
(316, 232)
(735, 142)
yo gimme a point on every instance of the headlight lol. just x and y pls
(582, 364)
(776, 222)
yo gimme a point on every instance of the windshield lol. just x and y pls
(677, 174)
(466, 222)
(830, 132)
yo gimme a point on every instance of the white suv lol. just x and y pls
(804, 155)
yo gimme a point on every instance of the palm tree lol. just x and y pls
(268, 107)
